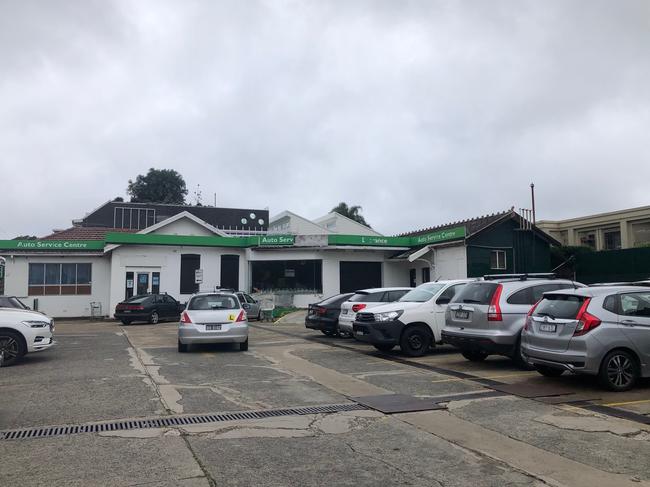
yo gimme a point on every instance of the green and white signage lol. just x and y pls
(53, 245)
(274, 240)
(439, 236)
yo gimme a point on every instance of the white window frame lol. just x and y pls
(502, 261)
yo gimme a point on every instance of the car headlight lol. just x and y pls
(388, 316)
(36, 324)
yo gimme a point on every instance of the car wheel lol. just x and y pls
(415, 341)
(328, 333)
(12, 348)
(182, 347)
(619, 371)
(474, 355)
(243, 346)
(549, 371)
(384, 347)
(126, 322)
(519, 359)
(259, 316)
(154, 318)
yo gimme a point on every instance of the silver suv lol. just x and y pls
(487, 316)
(603, 331)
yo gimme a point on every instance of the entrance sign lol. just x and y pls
(198, 276)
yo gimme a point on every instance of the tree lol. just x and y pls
(352, 212)
(158, 186)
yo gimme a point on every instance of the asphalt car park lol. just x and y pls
(301, 408)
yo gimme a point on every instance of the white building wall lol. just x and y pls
(167, 261)
(184, 227)
(17, 280)
(336, 223)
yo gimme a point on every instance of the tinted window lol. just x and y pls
(213, 301)
(524, 296)
(394, 295)
(138, 299)
(450, 292)
(610, 304)
(335, 300)
(476, 293)
(559, 306)
(249, 299)
(635, 304)
(367, 297)
(11, 302)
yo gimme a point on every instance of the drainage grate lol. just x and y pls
(170, 421)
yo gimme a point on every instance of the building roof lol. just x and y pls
(472, 225)
(85, 233)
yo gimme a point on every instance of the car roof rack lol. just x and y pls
(521, 277)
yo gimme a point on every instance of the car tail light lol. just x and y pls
(358, 307)
(529, 318)
(494, 311)
(242, 316)
(185, 318)
(321, 311)
(133, 307)
(586, 321)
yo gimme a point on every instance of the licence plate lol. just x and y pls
(462, 315)
(548, 328)
(345, 311)
(126, 311)
(359, 332)
(212, 327)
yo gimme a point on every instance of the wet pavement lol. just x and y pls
(102, 371)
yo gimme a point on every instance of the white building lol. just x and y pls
(87, 270)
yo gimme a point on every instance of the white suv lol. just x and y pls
(414, 322)
(23, 331)
(365, 299)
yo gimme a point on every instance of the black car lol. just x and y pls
(324, 316)
(12, 302)
(148, 307)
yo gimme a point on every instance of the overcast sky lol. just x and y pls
(422, 112)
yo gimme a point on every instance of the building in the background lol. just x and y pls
(103, 259)
(291, 223)
(622, 229)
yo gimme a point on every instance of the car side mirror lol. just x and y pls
(443, 300)
(246, 306)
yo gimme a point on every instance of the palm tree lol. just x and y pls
(352, 212)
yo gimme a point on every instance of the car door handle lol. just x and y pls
(628, 322)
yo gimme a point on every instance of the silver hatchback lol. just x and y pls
(603, 331)
(486, 317)
(213, 318)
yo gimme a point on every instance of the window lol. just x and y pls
(635, 304)
(59, 279)
(498, 260)
(213, 301)
(587, 239)
(448, 294)
(134, 218)
(304, 276)
(612, 239)
(426, 274)
(476, 293)
(365, 297)
(394, 295)
(189, 264)
(641, 233)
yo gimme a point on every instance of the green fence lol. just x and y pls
(613, 265)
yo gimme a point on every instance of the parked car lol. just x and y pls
(324, 315)
(602, 331)
(151, 308)
(12, 302)
(252, 307)
(487, 316)
(215, 317)
(365, 299)
(23, 331)
(414, 322)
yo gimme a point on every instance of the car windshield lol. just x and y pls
(213, 301)
(11, 302)
(366, 297)
(563, 306)
(422, 293)
(476, 293)
(137, 299)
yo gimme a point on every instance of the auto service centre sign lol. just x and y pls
(439, 236)
(51, 245)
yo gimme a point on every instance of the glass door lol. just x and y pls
(143, 283)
